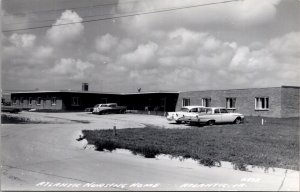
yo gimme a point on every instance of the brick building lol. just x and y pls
(79, 100)
(269, 102)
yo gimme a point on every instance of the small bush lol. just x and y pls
(106, 144)
(208, 162)
(148, 151)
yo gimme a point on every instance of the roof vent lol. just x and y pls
(85, 87)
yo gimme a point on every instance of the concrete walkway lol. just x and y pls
(48, 157)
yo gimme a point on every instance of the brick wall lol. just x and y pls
(45, 102)
(290, 105)
(245, 100)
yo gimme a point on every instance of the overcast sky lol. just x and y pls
(242, 44)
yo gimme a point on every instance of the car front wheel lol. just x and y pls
(238, 120)
(211, 122)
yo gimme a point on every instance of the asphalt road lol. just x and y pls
(48, 157)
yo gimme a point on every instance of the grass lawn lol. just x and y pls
(8, 119)
(274, 144)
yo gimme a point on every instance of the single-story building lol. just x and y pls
(270, 102)
(79, 100)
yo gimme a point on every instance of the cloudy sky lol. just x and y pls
(240, 44)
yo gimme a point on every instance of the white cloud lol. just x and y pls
(99, 59)
(189, 59)
(239, 13)
(254, 11)
(43, 52)
(71, 68)
(23, 40)
(69, 32)
(141, 56)
(106, 42)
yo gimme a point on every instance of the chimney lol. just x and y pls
(85, 87)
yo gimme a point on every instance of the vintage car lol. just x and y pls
(178, 115)
(108, 108)
(212, 115)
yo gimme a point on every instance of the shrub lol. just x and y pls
(106, 144)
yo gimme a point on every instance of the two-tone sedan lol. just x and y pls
(179, 115)
(212, 115)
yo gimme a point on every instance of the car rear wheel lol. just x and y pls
(210, 123)
(238, 120)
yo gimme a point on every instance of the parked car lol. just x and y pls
(10, 109)
(179, 115)
(212, 115)
(89, 109)
(108, 108)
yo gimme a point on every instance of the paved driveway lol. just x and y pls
(48, 157)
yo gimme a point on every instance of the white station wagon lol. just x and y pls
(212, 115)
(179, 115)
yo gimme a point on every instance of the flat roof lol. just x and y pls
(283, 86)
(92, 92)
(149, 92)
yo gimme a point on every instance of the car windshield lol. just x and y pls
(184, 109)
(97, 105)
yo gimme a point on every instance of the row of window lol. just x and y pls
(38, 101)
(75, 101)
(261, 103)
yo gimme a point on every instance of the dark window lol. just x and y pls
(230, 103)
(53, 101)
(185, 102)
(223, 111)
(217, 110)
(206, 102)
(262, 103)
(194, 110)
(14, 100)
(30, 101)
(75, 101)
(39, 101)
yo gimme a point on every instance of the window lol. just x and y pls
(53, 101)
(21, 100)
(230, 103)
(30, 101)
(194, 110)
(185, 102)
(184, 109)
(206, 102)
(75, 101)
(223, 110)
(209, 111)
(262, 103)
(39, 101)
(112, 105)
(203, 110)
(14, 100)
(217, 111)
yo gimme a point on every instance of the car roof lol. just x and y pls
(193, 106)
(217, 107)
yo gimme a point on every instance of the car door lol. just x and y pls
(226, 117)
(217, 116)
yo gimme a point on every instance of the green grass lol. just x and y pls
(275, 144)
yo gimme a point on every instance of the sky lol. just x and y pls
(238, 44)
